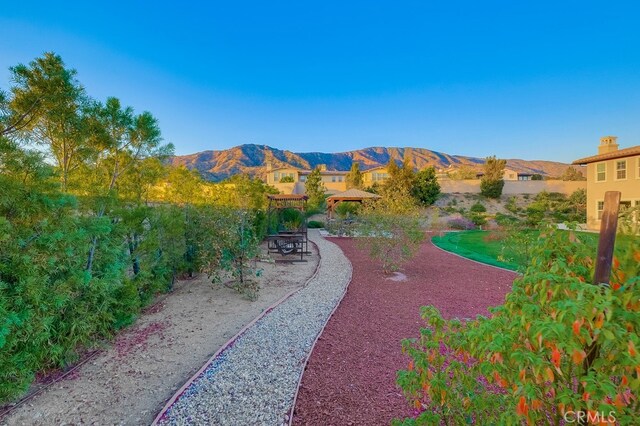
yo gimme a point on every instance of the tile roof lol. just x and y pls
(355, 193)
(620, 153)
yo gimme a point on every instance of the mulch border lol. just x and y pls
(306, 361)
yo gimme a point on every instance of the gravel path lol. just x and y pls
(350, 378)
(254, 380)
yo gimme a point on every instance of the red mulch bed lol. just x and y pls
(350, 378)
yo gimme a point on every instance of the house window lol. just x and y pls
(339, 178)
(601, 172)
(621, 170)
(303, 178)
(379, 176)
(333, 178)
(599, 209)
(276, 176)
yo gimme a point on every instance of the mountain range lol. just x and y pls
(252, 159)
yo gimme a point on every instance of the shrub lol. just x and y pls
(504, 219)
(291, 219)
(461, 223)
(478, 219)
(286, 179)
(314, 224)
(511, 205)
(491, 188)
(347, 209)
(478, 208)
(391, 229)
(426, 188)
(557, 345)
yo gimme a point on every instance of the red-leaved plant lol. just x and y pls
(557, 347)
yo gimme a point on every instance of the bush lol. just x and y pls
(426, 188)
(478, 208)
(461, 223)
(504, 219)
(491, 188)
(478, 219)
(558, 345)
(347, 209)
(314, 224)
(291, 219)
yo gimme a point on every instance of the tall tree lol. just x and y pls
(315, 189)
(124, 140)
(426, 188)
(572, 174)
(400, 178)
(47, 108)
(492, 181)
(354, 177)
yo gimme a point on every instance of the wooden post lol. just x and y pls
(607, 240)
(604, 260)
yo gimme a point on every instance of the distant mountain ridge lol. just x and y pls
(252, 159)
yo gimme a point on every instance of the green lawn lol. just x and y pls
(474, 245)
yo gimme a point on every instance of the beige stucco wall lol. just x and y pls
(629, 187)
(271, 174)
(367, 176)
(299, 188)
(514, 187)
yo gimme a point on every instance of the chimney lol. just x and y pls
(269, 166)
(608, 144)
(322, 167)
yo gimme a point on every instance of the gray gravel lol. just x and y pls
(254, 380)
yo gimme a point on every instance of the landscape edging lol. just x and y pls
(230, 342)
(306, 361)
(473, 260)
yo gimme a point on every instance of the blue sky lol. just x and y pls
(532, 80)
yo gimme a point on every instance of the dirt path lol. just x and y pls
(131, 380)
(350, 378)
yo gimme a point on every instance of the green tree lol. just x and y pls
(315, 189)
(354, 177)
(401, 179)
(426, 188)
(124, 141)
(492, 181)
(462, 173)
(578, 204)
(391, 229)
(572, 174)
(48, 105)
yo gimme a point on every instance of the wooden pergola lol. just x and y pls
(287, 241)
(287, 201)
(351, 195)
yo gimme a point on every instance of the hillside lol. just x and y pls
(252, 159)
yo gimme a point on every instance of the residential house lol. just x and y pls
(510, 175)
(612, 169)
(376, 175)
(333, 180)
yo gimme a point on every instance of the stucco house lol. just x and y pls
(333, 180)
(374, 175)
(509, 175)
(612, 169)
